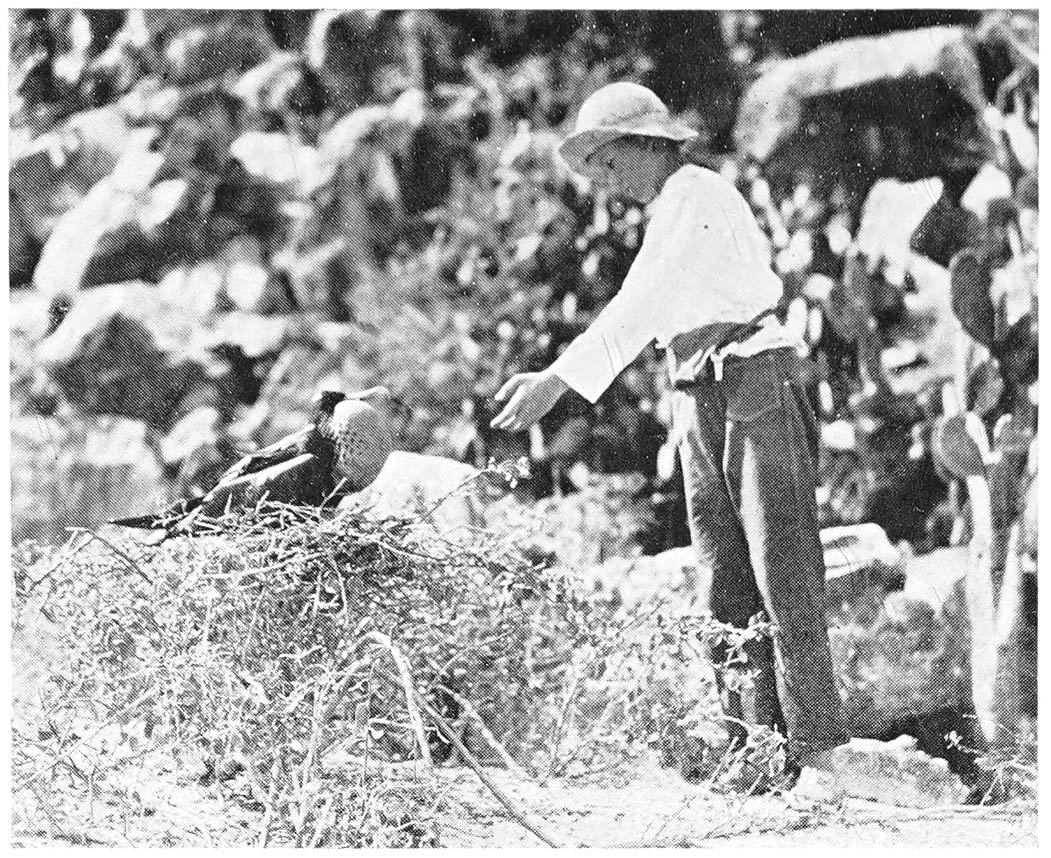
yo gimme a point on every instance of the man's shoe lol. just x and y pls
(758, 768)
(816, 786)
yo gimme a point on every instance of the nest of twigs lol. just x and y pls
(321, 660)
(287, 638)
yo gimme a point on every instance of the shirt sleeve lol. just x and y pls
(660, 292)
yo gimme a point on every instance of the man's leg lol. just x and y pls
(770, 461)
(719, 541)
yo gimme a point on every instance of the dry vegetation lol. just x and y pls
(315, 665)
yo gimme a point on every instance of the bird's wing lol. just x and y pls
(163, 519)
(280, 451)
(298, 479)
(294, 478)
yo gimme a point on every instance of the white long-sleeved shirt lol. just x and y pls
(703, 267)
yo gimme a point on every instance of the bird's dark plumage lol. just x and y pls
(310, 467)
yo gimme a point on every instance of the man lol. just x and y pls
(702, 287)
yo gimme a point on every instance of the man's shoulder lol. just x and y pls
(693, 178)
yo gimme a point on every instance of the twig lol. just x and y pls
(474, 478)
(410, 692)
(521, 817)
(652, 840)
(563, 713)
(131, 563)
(64, 554)
(494, 743)
(341, 690)
(268, 815)
(320, 823)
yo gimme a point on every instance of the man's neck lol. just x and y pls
(672, 165)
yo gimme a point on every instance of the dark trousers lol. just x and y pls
(749, 447)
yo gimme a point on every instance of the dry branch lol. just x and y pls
(405, 676)
(494, 743)
(526, 820)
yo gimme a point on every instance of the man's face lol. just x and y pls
(627, 167)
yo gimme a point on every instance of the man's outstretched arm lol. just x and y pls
(659, 294)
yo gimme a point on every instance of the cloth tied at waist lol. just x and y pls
(700, 353)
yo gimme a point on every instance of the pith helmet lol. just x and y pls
(618, 110)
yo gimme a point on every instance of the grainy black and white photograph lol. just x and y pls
(523, 428)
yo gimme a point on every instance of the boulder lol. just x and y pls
(897, 668)
(447, 492)
(103, 226)
(58, 168)
(919, 780)
(862, 566)
(672, 576)
(122, 350)
(608, 518)
(931, 577)
(912, 665)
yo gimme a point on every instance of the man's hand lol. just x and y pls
(529, 396)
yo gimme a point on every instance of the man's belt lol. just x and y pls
(708, 370)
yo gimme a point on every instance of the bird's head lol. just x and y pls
(325, 401)
(362, 442)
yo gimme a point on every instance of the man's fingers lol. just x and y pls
(510, 386)
(507, 423)
(509, 415)
(504, 419)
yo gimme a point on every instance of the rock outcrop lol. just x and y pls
(122, 350)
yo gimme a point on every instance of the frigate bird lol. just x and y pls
(342, 450)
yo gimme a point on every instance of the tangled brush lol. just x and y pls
(286, 639)
(324, 662)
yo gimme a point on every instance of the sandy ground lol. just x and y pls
(159, 807)
(658, 809)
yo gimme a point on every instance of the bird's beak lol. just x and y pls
(372, 393)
